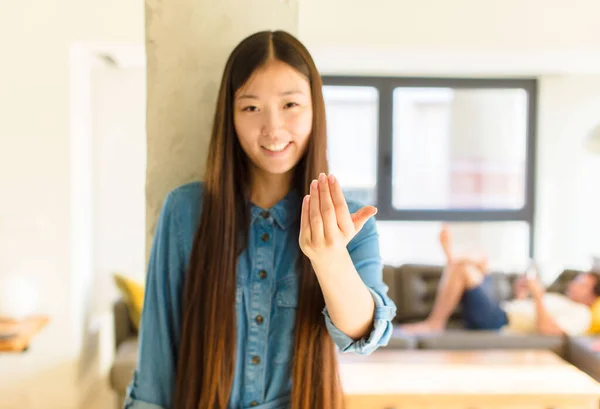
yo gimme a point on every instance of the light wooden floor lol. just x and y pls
(101, 398)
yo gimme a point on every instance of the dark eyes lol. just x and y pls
(252, 108)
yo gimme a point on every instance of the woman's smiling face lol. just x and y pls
(273, 117)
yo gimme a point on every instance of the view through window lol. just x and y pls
(428, 151)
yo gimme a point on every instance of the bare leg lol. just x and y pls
(446, 244)
(458, 276)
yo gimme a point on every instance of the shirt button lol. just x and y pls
(262, 274)
(254, 403)
(264, 237)
(256, 360)
(265, 215)
(259, 319)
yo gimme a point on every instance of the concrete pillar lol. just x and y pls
(187, 44)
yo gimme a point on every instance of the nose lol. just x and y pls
(272, 121)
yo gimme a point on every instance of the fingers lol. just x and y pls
(304, 217)
(342, 214)
(316, 221)
(330, 226)
(328, 214)
(362, 215)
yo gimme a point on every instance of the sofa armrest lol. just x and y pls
(582, 353)
(124, 328)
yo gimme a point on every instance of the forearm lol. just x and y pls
(349, 302)
(544, 321)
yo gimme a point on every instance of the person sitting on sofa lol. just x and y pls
(465, 281)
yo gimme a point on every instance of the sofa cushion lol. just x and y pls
(502, 285)
(463, 339)
(561, 283)
(124, 364)
(124, 328)
(416, 286)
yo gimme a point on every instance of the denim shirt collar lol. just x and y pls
(285, 212)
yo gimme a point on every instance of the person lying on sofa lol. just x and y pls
(465, 281)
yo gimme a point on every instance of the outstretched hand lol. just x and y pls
(535, 288)
(326, 224)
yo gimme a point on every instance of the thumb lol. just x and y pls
(361, 216)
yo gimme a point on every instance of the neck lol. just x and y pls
(268, 189)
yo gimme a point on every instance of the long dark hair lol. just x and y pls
(205, 368)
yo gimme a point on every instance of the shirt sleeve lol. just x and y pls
(159, 337)
(364, 252)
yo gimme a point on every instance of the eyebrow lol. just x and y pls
(282, 94)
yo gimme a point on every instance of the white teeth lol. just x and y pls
(276, 147)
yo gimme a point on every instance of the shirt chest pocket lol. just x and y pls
(287, 292)
(284, 319)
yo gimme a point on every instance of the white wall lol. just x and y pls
(448, 37)
(568, 191)
(510, 25)
(35, 178)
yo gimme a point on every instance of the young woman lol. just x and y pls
(257, 273)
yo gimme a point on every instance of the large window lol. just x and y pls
(426, 151)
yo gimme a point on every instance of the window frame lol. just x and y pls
(385, 87)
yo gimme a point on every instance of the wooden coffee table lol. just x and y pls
(411, 379)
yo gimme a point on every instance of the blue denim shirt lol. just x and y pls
(267, 285)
